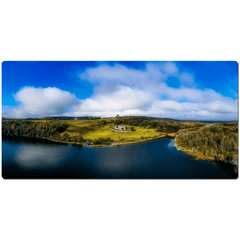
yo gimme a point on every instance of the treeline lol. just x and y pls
(70, 118)
(26, 128)
(219, 141)
(48, 129)
(55, 118)
(167, 126)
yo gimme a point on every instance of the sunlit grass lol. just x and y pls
(81, 123)
(104, 132)
(91, 130)
(80, 127)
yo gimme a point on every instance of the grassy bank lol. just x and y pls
(91, 131)
(79, 132)
(104, 132)
(129, 142)
(193, 153)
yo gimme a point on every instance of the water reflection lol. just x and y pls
(114, 163)
(171, 144)
(35, 156)
(151, 159)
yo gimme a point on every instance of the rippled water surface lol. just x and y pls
(156, 159)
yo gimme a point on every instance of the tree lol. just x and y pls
(132, 129)
(13, 126)
(65, 137)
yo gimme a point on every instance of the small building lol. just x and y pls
(120, 127)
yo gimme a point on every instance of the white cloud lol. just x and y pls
(170, 105)
(187, 79)
(169, 68)
(228, 106)
(119, 74)
(127, 91)
(38, 102)
(124, 98)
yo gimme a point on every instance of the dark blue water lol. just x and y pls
(157, 159)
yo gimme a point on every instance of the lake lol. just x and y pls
(156, 159)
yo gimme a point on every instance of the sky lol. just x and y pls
(180, 90)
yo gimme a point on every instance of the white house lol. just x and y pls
(119, 127)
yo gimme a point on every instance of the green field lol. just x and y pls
(104, 132)
(96, 131)
(93, 130)
(79, 128)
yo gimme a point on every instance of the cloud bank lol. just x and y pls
(39, 102)
(128, 91)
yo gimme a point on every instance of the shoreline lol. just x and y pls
(228, 166)
(194, 154)
(171, 135)
(130, 142)
(41, 139)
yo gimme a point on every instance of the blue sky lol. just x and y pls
(180, 90)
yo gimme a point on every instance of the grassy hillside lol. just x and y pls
(140, 133)
(96, 131)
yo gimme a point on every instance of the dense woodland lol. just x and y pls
(219, 141)
(26, 128)
(49, 129)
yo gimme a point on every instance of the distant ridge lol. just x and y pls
(93, 118)
(55, 118)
